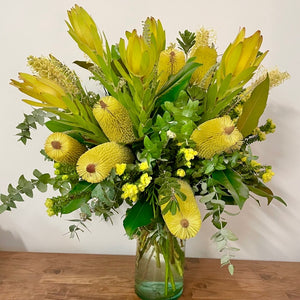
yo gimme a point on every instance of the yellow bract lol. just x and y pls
(63, 148)
(96, 164)
(47, 91)
(187, 221)
(216, 136)
(114, 120)
(84, 31)
(138, 57)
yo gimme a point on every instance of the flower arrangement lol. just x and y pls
(173, 123)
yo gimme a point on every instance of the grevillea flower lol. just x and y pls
(96, 164)
(83, 30)
(170, 62)
(47, 91)
(114, 120)
(216, 136)
(63, 148)
(187, 221)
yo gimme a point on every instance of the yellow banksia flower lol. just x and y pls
(154, 33)
(51, 68)
(216, 136)
(120, 169)
(129, 191)
(170, 62)
(145, 180)
(96, 164)
(186, 222)
(242, 54)
(114, 120)
(267, 176)
(48, 92)
(180, 173)
(83, 30)
(143, 166)
(63, 148)
(138, 57)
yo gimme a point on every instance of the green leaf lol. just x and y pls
(141, 214)
(3, 208)
(81, 187)
(86, 209)
(74, 204)
(229, 234)
(57, 126)
(83, 64)
(207, 197)
(232, 181)
(253, 108)
(231, 269)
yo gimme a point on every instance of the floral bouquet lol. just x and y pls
(172, 123)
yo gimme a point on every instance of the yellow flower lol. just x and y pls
(170, 62)
(120, 169)
(144, 166)
(254, 163)
(188, 164)
(154, 33)
(261, 135)
(63, 148)
(180, 173)
(129, 191)
(216, 136)
(96, 164)
(267, 176)
(145, 180)
(139, 58)
(244, 159)
(242, 54)
(49, 203)
(187, 221)
(189, 153)
(45, 90)
(50, 212)
(114, 120)
(84, 32)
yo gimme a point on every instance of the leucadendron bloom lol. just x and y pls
(48, 92)
(83, 30)
(139, 57)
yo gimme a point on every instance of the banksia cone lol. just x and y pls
(187, 221)
(63, 148)
(96, 164)
(114, 120)
(216, 136)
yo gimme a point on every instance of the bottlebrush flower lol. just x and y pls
(47, 91)
(187, 221)
(63, 148)
(216, 136)
(96, 164)
(114, 120)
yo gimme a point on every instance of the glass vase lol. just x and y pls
(159, 265)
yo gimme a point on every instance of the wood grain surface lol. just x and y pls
(54, 276)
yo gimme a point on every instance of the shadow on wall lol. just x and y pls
(10, 242)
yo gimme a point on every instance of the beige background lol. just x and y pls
(37, 27)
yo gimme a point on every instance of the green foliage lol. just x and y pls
(186, 41)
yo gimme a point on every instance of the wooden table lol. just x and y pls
(54, 276)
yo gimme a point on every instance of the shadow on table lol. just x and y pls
(10, 242)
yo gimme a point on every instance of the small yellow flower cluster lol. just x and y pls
(238, 109)
(188, 153)
(120, 169)
(244, 159)
(49, 205)
(270, 126)
(254, 163)
(143, 166)
(261, 135)
(267, 176)
(130, 191)
(180, 173)
(144, 181)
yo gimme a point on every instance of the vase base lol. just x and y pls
(156, 291)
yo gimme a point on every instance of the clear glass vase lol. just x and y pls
(159, 265)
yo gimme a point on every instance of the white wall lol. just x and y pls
(37, 27)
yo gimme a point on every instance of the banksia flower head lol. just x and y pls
(96, 164)
(114, 120)
(206, 55)
(170, 62)
(186, 222)
(154, 33)
(138, 57)
(216, 136)
(51, 68)
(63, 148)
(47, 91)
(83, 30)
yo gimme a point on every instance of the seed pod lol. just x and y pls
(187, 221)
(96, 164)
(114, 120)
(63, 148)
